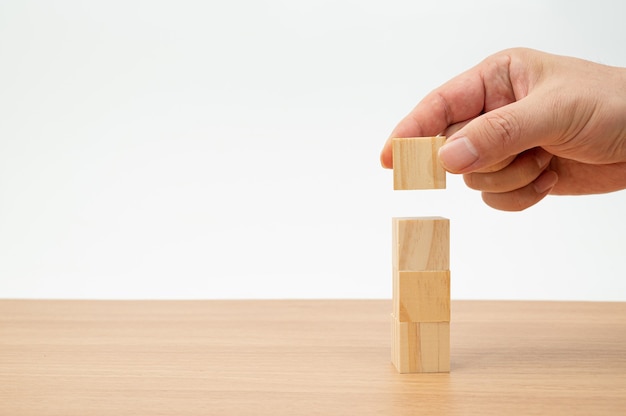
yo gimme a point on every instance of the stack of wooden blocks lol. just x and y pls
(420, 321)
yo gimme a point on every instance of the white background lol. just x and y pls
(229, 149)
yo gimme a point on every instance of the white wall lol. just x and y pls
(229, 149)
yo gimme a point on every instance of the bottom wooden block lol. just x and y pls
(420, 347)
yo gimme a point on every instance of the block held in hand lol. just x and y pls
(416, 163)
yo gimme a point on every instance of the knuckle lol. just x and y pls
(502, 129)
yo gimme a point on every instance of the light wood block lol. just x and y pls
(395, 293)
(420, 347)
(421, 244)
(416, 163)
(422, 296)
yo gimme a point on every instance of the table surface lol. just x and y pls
(304, 357)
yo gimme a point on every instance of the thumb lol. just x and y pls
(496, 136)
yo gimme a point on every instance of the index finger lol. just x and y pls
(462, 98)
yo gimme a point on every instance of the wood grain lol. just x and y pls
(416, 163)
(420, 347)
(435, 346)
(421, 243)
(423, 296)
(304, 357)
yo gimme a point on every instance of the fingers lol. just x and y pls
(498, 166)
(525, 197)
(450, 130)
(519, 185)
(494, 83)
(576, 178)
(498, 135)
(523, 170)
(458, 100)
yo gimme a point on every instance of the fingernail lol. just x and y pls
(457, 154)
(545, 181)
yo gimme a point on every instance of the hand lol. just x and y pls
(523, 124)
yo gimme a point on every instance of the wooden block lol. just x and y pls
(422, 296)
(416, 163)
(444, 346)
(435, 346)
(395, 292)
(418, 347)
(421, 244)
(404, 343)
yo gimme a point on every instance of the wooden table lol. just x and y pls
(322, 357)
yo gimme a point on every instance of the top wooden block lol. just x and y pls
(420, 243)
(416, 163)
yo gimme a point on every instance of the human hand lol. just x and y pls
(523, 124)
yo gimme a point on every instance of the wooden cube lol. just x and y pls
(416, 163)
(422, 296)
(421, 244)
(418, 347)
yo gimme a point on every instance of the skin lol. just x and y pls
(523, 124)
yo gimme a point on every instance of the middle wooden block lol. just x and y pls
(421, 296)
